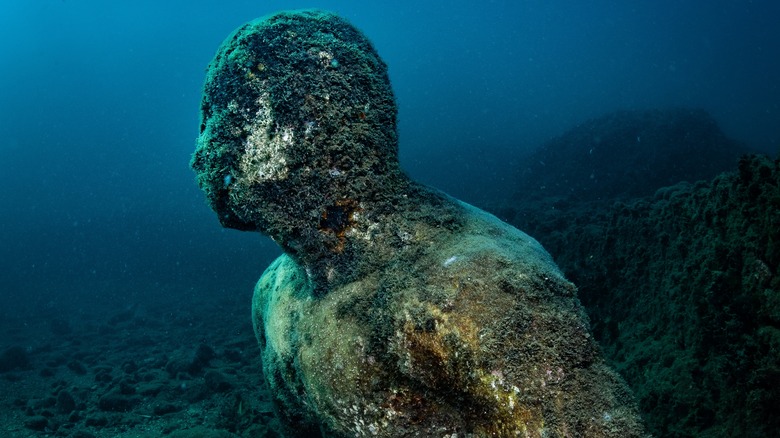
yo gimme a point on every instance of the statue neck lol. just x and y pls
(351, 238)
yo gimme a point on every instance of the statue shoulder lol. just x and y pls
(284, 276)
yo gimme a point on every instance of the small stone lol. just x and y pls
(126, 387)
(77, 367)
(216, 381)
(150, 389)
(203, 356)
(96, 421)
(38, 422)
(65, 402)
(129, 367)
(47, 402)
(177, 364)
(74, 417)
(166, 408)
(103, 376)
(113, 401)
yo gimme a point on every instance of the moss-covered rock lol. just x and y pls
(683, 291)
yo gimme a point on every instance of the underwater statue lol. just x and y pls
(395, 310)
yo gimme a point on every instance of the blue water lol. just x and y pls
(100, 103)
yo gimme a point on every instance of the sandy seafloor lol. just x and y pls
(165, 369)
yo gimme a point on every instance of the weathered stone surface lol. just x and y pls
(396, 310)
(683, 289)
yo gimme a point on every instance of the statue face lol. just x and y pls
(297, 111)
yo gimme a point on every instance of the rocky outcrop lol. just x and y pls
(627, 154)
(683, 292)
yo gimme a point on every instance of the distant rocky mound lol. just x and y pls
(629, 154)
(681, 280)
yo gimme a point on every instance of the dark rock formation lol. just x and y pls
(628, 154)
(683, 291)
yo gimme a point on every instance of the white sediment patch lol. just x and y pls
(450, 261)
(264, 157)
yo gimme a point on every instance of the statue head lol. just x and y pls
(298, 127)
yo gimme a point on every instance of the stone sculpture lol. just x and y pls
(395, 310)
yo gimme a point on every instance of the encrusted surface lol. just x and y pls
(396, 310)
(684, 293)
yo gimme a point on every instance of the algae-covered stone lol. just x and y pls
(396, 310)
(684, 294)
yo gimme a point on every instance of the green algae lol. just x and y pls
(683, 291)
